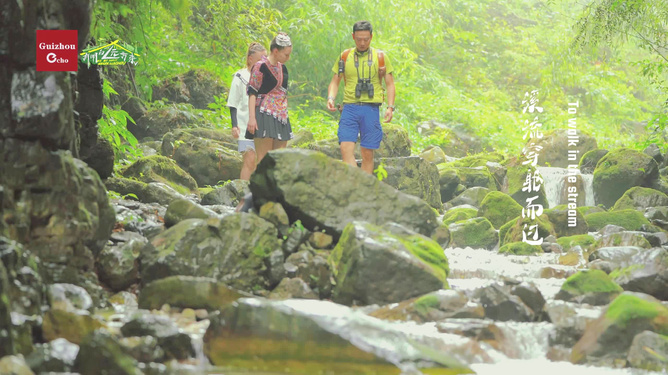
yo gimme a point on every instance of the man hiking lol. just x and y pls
(362, 69)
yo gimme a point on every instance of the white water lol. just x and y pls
(554, 181)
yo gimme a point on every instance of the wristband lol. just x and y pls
(330, 98)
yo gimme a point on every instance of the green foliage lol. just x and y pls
(113, 127)
(380, 172)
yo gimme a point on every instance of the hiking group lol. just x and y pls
(258, 99)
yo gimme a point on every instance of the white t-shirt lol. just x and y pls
(239, 99)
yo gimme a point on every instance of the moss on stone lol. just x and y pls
(426, 302)
(640, 197)
(429, 251)
(476, 232)
(628, 308)
(516, 175)
(498, 208)
(590, 281)
(513, 232)
(157, 168)
(620, 170)
(628, 219)
(586, 210)
(459, 214)
(582, 240)
(520, 248)
(477, 160)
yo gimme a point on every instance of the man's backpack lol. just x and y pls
(381, 63)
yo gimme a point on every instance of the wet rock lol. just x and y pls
(471, 196)
(206, 156)
(442, 236)
(620, 170)
(531, 296)
(589, 286)
(477, 329)
(611, 335)
(187, 292)
(100, 158)
(100, 350)
(301, 181)
(230, 194)
(124, 302)
(520, 248)
(320, 240)
(640, 198)
(500, 305)
(14, 365)
(7, 340)
(182, 209)
(117, 264)
(276, 268)
(70, 297)
(569, 322)
(589, 160)
(154, 192)
(313, 269)
(626, 238)
(476, 233)
(292, 288)
(25, 287)
(413, 175)
(197, 87)
(329, 337)
(143, 348)
(368, 260)
(444, 304)
(55, 356)
(72, 326)
(525, 228)
(648, 351)
(499, 208)
(561, 220)
(231, 249)
(161, 169)
(582, 240)
(645, 271)
(146, 220)
(175, 343)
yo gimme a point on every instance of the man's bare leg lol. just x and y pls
(367, 160)
(348, 153)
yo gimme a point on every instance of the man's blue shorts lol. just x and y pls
(362, 120)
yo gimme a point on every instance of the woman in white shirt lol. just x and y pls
(238, 104)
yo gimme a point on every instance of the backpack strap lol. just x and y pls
(342, 63)
(381, 65)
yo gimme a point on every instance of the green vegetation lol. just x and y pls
(590, 281)
(629, 219)
(628, 308)
(582, 240)
(520, 248)
(467, 64)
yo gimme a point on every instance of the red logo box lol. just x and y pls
(57, 50)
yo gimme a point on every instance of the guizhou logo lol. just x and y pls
(112, 54)
(57, 50)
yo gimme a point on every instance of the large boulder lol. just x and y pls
(648, 351)
(644, 271)
(498, 208)
(608, 339)
(327, 194)
(232, 249)
(589, 160)
(556, 147)
(517, 188)
(413, 175)
(187, 292)
(567, 222)
(476, 233)
(628, 219)
(620, 170)
(154, 192)
(53, 203)
(197, 87)
(640, 198)
(162, 169)
(204, 156)
(101, 350)
(589, 286)
(265, 335)
(384, 265)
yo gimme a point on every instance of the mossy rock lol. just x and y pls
(516, 175)
(367, 259)
(415, 176)
(512, 231)
(477, 160)
(478, 176)
(187, 292)
(182, 209)
(459, 214)
(302, 139)
(158, 168)
(155, 192)
(612, 334)
(590, 159)
(567, 222)
(520, 248)
(476, 233)
(628, 219)
(471, 196)
(448, 180)
(68, 325)
(620, 170)
(498, 208)
(634, 239)
(434, 155)
(640, 198)
(589, 286)
(582, 240)
(586, 210)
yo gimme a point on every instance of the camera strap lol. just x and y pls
(369, 62)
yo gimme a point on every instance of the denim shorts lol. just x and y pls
(246, 145)
(363, 121)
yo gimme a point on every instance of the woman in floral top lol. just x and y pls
(268, 122)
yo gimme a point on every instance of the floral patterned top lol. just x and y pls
(270, 84)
